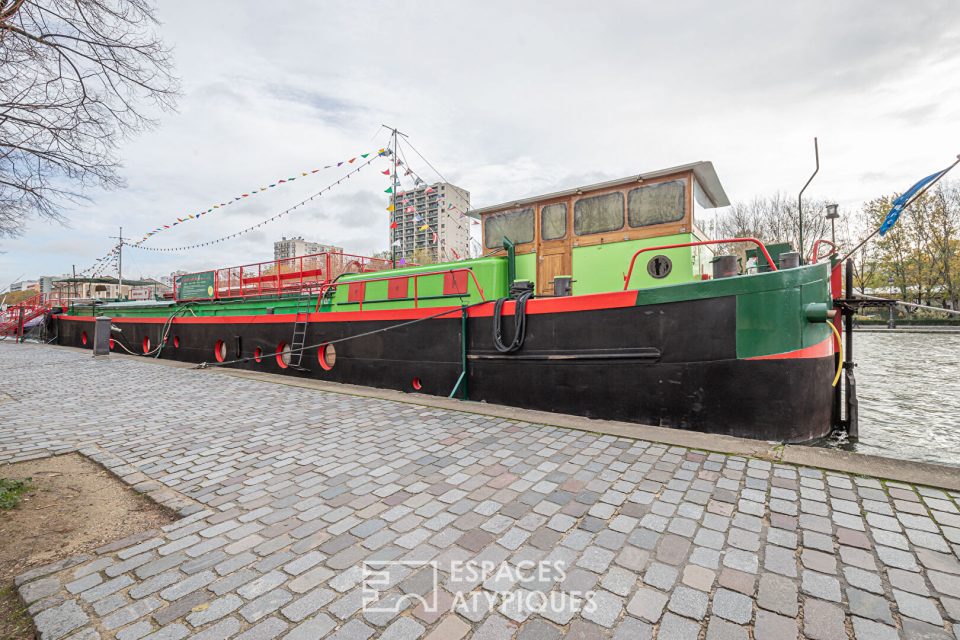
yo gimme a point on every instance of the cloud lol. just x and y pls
(509, 100)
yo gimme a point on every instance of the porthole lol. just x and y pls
(416, 384)
(220, 351)
(283, 355)
(146, 344)
(258, 354)
(327, 355)
(83, 337)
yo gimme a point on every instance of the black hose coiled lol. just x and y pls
(519, 323)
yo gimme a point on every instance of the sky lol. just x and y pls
(507, 100)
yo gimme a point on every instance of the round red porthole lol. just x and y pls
(112, 344)
(220, 351)
(83, 337)
(327, 355)
(283, 355)
(258, 354)
(416, 384)
(176, 342)
(146, 344)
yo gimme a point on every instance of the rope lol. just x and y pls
(836, 333)
(519, 323)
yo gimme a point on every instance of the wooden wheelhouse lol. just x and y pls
(590, 232)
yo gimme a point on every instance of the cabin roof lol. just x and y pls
(703, 170)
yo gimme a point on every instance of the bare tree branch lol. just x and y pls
(77, 78)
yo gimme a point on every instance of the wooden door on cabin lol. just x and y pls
(553, 246)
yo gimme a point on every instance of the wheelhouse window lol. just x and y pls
(518, 225)
(656, 203)
(597, 214)
(553, 221)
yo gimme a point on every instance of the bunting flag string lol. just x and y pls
(251, 193)
(100, 263)
(268, 220)
(408, 208)
(418, 180)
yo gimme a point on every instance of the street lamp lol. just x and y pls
(831, 216)
(890, 323)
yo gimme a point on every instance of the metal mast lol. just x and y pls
(393, 214)
(816, 152)
(120, 265)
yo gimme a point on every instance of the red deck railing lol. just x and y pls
(287, 276)
(31, 308)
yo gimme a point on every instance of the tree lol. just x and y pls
(774, 218)
(424, 255)
(77, 78)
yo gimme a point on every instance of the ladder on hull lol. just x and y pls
(299, 338)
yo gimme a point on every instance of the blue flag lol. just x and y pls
(894, 214)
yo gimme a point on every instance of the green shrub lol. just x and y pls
(11, 490)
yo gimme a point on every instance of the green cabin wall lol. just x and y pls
(602, 267)
(490, 273)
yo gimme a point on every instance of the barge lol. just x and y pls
(607, 301)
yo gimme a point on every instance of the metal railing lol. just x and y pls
(663, 247)
(302, 274)
(815, 253)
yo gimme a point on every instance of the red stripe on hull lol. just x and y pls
(819, 350)
(615, 300)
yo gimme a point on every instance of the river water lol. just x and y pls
(908, 385)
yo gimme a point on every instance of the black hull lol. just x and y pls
(671, 364)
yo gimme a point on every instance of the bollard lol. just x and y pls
(725, 267)
(101, 336)
(790, 260)
(562, 286)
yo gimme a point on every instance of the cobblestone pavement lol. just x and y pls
(286, 491)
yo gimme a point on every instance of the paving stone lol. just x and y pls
(660, 576)
(688, 602)
(39, 589)
(732, 606)
(677, 628)
(771, 626)
(606, 610)
(778, 594)
(216, 610)
(627, 629)
(131, 612)
(57, 622)
(822, 621)
(821, 586)
(870, 630)
(647, 604)
(918, 607)
(316, 627)
(719, 629)
(269, 628)
(452, 627)
(863, 579)
(869, 606)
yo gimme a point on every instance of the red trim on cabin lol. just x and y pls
(819, 350)
(356, 291)
(455, 283)
(398, 288)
